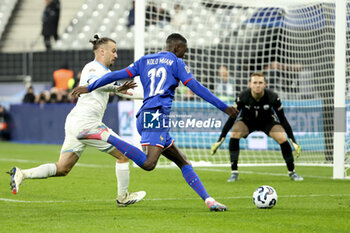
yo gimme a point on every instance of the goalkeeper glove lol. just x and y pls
(216, 146)
(297, 148)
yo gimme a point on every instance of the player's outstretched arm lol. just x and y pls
(232, 112)
(285, 124)
(79, 90)
(131, 93)
(205, 94)
(126, 86)
(112, 88)
(109, 78)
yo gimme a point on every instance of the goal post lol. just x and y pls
(339, 171)
(295, 43)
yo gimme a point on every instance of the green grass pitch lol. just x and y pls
(84, 201)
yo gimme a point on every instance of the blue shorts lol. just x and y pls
(153, 128)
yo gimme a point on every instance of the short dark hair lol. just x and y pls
(175, 37)
(259, 74)
(97, 41)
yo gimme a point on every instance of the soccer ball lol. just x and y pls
(265, 197)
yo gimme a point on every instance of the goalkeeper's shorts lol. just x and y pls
(264, 125)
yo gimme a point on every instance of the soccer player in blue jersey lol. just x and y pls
(160, 74)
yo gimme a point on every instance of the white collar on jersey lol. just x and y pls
(101, 64)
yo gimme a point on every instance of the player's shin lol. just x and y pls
(234, 153)
(193, 180)
(128, 150)
(41, 172)
(287, 155)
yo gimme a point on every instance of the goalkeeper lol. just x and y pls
(258, 109)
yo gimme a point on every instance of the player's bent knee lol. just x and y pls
(280, 138)
(123, 159)
(237, 135)
(149, 166)
(62, 171)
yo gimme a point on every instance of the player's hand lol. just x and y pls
(79, 90)
(126, 86)
(216, 146)
(231, 111)
(297, 148)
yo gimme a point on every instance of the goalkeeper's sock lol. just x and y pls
(193, 180)
(128, 150)
(41, 172)
(287, 155)
(234, 153)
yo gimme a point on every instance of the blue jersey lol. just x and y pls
(160, 74)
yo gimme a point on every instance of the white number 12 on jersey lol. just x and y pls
(153, 74)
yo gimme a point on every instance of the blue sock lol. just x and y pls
(128, 150)
(193, 180)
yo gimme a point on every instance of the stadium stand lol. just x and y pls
(111, 18)
(79, 20)
(104, 17)
(6, 9)
(24, 31)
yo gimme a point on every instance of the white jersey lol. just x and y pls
(91, 106)
(88, 112)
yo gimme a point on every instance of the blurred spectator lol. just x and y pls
(29, 97)
(304, 83)
(164, 17)
(179, 17)
(151, 14)
(50, 20)
(62, 77)
(189, 95)
(4, 124)
(273, 75)
(224, 87)
(53, 98)
(43, 97)
(131, 17)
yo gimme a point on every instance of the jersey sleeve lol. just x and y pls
(228, 125)
(134, 68)
(88, 76)
(278, 107)
(239, 103)
(183, 72)
(109, 78)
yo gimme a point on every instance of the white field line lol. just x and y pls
(41, 162)
(173, 199)
(214, 169)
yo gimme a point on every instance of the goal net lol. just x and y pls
(291, 43)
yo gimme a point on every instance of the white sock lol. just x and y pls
(209, 199)
(123, 176)
(43, 171)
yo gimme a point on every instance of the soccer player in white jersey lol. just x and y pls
(88, 114)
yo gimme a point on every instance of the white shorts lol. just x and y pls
(71, 144)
